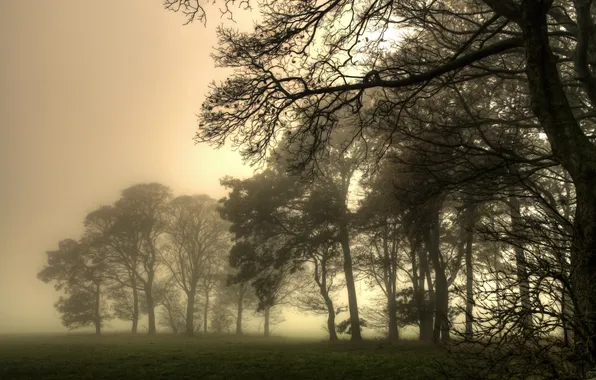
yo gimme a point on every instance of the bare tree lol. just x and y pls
(197, 236)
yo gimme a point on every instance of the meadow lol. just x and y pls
(128, 357)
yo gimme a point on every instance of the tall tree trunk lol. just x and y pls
(97, 315)
(441, 326)
(190, 310)
(266, 323)
(321, 281)
(566, 298)
(350, 285)
(171, 319)
(577, 154)
(392, 310)
(467, 237)
(521, 267)
(331, 319)
(432, 301)
(469, 283)
(424, 313)
(390, 278)
(135, 305)
(566, 317)
(206, 311)
(150, 310)
(240, 309)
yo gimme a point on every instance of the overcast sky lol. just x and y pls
(95, 96)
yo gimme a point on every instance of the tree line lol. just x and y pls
(471, 124)
(149, 250)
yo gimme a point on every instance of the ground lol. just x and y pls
(127, 357)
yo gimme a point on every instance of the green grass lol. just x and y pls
(128, 357)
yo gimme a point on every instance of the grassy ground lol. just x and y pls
(129, 357)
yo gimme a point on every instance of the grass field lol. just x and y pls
(128, 357)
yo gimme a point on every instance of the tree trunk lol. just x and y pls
(321, 281)
(390, 279)
(206, 312)
(468, 236)
(171, 319)
(469, 286)
(135, 305)
(577, 155)
(431, 304)
(392, 310)
(150, 310)
(266, 324)
(190, 311)
(566, 317)
(97, 319)
(441, 325)
(521, 268)
(239, 309)
(441, 329)
(424, 312)
(330, 318)
(350, 285)
(566, 298)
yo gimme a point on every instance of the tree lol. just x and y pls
(379, 255)
(273, 284)
(301, 223)
(173, 310)
(141, 218)
(257, 209)
(318, 296)
(240, 293)
(122, 258)
(124, 303)
(278, 73)
(78, 270)
(222, 313)
(197, 237)
(329, 199)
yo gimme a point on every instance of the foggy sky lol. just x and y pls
(95, 96)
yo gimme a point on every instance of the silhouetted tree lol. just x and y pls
(544, 46)
(77, 269)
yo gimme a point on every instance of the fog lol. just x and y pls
(96, 96)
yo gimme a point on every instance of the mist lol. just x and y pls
(220, 176)
(96, 96)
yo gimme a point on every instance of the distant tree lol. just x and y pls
(222, 311)
(78, 270)
(142, 215)
(198, 237)
(241, 294)
(122, 258)
(123, 302)
(209, 282)
(382, 246)
(172, 312)
(256, 208)
(273, 285)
